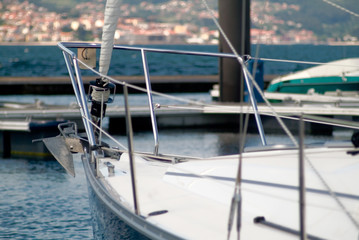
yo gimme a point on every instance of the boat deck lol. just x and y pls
(192, 198)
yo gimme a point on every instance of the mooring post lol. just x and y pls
(234, 18)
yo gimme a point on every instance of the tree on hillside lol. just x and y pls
(83, 35)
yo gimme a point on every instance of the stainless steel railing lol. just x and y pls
(72, 64)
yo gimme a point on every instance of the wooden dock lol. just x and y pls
(21, 123)
(20, 126)
(185, 115)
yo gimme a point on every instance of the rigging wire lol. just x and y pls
(275, 114)
(193, 102)
(250, 76)
(104, 132)
(295, 142)
(240, 60)
(341, 8)
(303, 62)
(236, 199)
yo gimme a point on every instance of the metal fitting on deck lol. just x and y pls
(111, 169)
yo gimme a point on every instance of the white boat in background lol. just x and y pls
(341, 75)
(269, 192)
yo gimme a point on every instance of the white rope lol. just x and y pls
(100, 94)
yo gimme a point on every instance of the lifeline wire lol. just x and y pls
(321, 178)
(104, 132)
(240, 60)
(251, 77)
(276, 115)
(143, 89)
(237, 193)
(303, 62)
(278, 118)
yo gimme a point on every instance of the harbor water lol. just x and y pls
(39, 200)
(48, 61)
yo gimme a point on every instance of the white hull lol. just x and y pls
(196, 195)
(175, 197)
(342, 68)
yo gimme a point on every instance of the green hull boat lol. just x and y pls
(341, 75)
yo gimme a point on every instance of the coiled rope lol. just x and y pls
(100, 94)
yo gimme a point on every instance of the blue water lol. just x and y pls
(40, 201)
(48, 60)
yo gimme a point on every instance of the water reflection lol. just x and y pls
(40, 201)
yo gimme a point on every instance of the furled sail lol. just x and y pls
(112, 13)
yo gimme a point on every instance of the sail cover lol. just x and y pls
(112, 13)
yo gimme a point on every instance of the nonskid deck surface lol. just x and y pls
(192, 199)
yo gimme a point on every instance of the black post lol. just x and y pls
(234, 18)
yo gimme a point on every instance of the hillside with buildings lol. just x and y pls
(174, 22)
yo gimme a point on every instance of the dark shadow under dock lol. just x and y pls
(62, 85)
